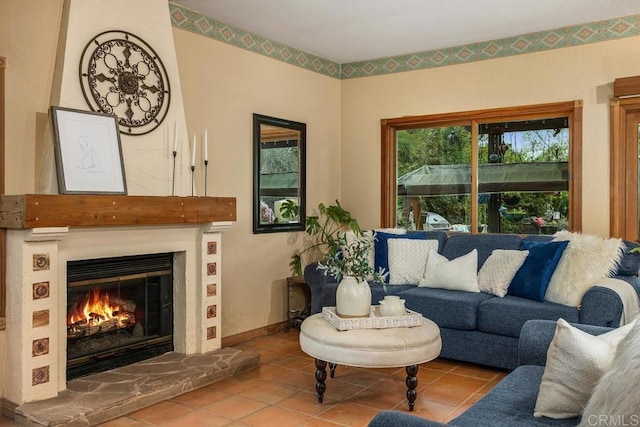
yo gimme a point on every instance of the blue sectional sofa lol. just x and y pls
(512, 401)
(479, 327)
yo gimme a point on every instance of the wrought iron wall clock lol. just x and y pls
(121, 74)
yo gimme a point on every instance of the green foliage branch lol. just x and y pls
(327, 235)
(352, 259)
(323, 230)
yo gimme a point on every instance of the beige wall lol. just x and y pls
(222, 87)
(29, 42)
(584, 72)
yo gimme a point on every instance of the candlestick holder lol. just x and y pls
(206, 167)
(193, 168)
(173, 179)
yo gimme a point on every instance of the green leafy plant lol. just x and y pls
(289, 209)
(351, 259)
(323, 231)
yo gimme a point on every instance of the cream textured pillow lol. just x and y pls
(459, 274)
(616, 396)
(587, 259)
(498, 270)
(407, 259)
(575, 362)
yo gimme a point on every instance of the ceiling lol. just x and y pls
(346, 31)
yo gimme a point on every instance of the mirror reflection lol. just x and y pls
(279, 174)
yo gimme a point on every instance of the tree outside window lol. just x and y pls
(499, 176)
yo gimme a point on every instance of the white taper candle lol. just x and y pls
(206, 146)
(193, 153)
(175, 137)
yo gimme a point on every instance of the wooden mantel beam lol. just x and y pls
(53, 210)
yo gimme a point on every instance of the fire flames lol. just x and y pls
(99, 310)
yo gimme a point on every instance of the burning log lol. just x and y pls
(83, 328)
(100, 314)
(124, 304)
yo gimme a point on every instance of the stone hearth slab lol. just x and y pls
(94, 399)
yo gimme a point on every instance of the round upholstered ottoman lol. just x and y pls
(369, 348)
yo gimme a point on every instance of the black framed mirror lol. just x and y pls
(279, 174)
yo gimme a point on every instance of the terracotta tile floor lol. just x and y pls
(282, 393)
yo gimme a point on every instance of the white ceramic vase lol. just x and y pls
(392, 305)
(353, 298)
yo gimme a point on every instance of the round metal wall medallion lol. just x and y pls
(121, 74)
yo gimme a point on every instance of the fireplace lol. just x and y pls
(50, 234)
(119, 311)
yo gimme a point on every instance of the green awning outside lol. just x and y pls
(439, 180)
(279, 184)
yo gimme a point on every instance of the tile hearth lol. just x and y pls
(97, 398)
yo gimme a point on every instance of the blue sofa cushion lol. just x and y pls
(461, 244)
(381, 248)
(532, 279)
(505, 316)
(447, 308)
(510, 403)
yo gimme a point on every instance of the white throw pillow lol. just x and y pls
(459, 274)
(575, 362)
(407, 259)
(586, 259)
(616, 395)
(498, 270)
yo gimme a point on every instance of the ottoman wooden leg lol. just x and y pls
(332, 369)
(412, 383)
(321, 376)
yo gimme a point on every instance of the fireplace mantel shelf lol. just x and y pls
(53, 210)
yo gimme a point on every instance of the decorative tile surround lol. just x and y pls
(36, 293)
(576, 35)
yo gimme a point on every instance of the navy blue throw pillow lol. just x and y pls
(381, 249)
(532, 279)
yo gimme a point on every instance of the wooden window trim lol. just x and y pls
(389, 127)
(3, 244)
(625, 113)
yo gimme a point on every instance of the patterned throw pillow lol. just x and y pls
(407, 260)
(381, 248)
(498, 270)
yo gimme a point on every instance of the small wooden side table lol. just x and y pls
(299, 310)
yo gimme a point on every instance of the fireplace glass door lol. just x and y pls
(119, 311)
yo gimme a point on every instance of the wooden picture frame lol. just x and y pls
(88, 152)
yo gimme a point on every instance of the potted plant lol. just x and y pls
(349, 264)
(323, 232)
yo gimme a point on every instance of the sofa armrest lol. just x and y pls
(536, 335)
(316, 280)
(608, 303)
(601, 306)
(400, 419)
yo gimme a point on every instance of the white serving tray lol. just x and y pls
(374, 321)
